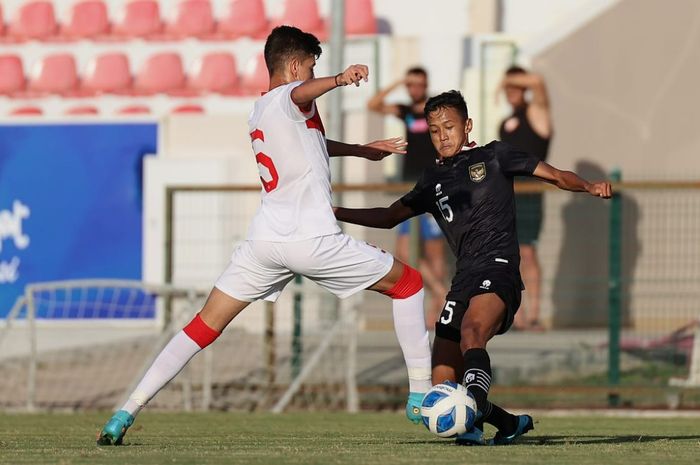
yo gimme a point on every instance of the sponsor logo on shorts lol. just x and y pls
(438, 189)
(477, 172)
(486, 284)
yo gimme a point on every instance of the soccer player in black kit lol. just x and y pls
(469, 191)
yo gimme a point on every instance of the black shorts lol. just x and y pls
(500, 279)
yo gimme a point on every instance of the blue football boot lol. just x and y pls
(524, 425)
(473, 437)
(415, 399)
(115, 429)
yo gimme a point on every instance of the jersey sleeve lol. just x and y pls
(514, 162)
(291, 109)
(416, 200)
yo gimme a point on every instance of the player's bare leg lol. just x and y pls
(532, 278)
(482, 321)
(437, 290)
(206, 326)
(405, 287)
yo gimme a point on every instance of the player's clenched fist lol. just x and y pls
(352, 75)
(600, 189)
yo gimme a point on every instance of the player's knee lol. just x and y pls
(473, 337)
(410, 283)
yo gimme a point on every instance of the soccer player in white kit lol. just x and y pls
(295, 231)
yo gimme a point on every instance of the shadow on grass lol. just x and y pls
(596, 439)
(568, 440)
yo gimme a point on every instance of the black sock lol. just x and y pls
(504, 421)
(477, 378)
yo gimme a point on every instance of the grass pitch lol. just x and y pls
(334, 438)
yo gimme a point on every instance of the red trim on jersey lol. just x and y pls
(199, 332)
(408, 284)
(315, 122)
(257, 134)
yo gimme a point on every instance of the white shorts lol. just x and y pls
(338, 263)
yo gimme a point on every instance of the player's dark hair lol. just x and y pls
(417, 70)
(515, 69)
(449, 99)
(286, 42)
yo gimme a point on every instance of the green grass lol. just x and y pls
(332, 438)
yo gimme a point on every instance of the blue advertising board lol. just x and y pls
(70, 203)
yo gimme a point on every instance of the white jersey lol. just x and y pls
(290, 149)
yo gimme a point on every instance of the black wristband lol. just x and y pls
(336, 79)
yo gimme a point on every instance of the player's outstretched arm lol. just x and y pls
(383, 217)
(570, 181)
(310, 90)
(375, 151)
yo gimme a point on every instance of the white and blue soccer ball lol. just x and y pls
(448, 409)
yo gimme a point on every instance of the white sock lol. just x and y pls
(169, 362)
(409, 323)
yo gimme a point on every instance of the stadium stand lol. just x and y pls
(244, 18)
(108, 72)
(134, 110)
(161, 73)
(82, 110)
(141, 19)
(303, 14)
(11, 74)
(215, 72)
(255, 79)
(27, 111)
(359, 17)
(55, 74)
(194, 19)
(188, 108)
(89, 19)
(34, 20)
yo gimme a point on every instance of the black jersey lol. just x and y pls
(471, 197)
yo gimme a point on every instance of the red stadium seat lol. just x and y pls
(359, 17)
(2, 22)
(162, 72)
(27, 111)
(82, 110)
(255, 79)
(141, 19)
(88, 18)
(304, 15)
(11, 74)
(188, 108)
(134, 110)
(108, 72)
(194, 19)
(215, 72)
(35, 20)
(55, 74)
(245, 18)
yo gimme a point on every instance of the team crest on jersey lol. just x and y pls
(477, 172)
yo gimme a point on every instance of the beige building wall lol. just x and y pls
(624, 95)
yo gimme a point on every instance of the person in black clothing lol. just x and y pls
(470, 194)
(420, 154)
(528, 128)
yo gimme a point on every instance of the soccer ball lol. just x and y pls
(448, 409)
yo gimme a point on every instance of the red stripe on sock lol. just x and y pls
(199, 332)
(410, 282)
